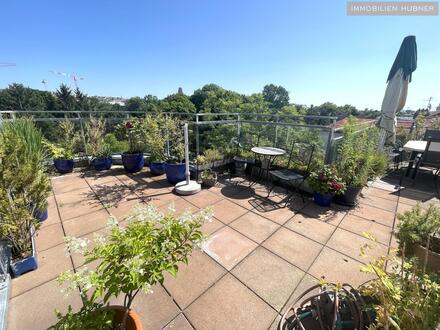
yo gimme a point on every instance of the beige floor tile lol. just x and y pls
(193, 279)
(244, 198)
(338, 268)
(412, 196)
(274, 212)
(180, 205)
(306, 283)
(122, 210)
(157, 197)
(228, 247)
(230, 305)
(293, 247)
(203, 199)
(86, 224)
(179, 323)
(371, 192)
(376, 201)
(49, 236)
(360, 225)
(35, 309)
(329, 215)
(254, 226)
(269, 276)
(212, 226)
(72, 197)
(67, 183)
(227, 211)
(102, 178)
(51, 263)
(350, 244)
(310, 227)
(373, 213)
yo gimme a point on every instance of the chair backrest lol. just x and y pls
(431, 155)
(431, 134)
(303, 152)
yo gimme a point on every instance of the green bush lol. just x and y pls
(115, 145)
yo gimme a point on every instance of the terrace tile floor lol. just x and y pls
(258, 257)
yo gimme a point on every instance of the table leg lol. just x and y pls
(412, 157)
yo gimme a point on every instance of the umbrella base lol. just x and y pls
(182, 188)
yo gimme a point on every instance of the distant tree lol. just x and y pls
(65, 97)
(151, 103)
(254, 103)
(82, 101)
(276, 96)
(177, 103)
(135, 104)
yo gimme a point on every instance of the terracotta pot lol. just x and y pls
(433, 257)
(133, 319)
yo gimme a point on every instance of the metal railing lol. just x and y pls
(326, 125)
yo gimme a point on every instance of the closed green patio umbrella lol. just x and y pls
(397, 89)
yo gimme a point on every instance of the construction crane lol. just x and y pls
(73, 76)
(429, 103)
(44, 82)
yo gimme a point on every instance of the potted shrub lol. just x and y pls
(155, 140)
(209, 178)
(24, 188)
(63, 152)
(325, 184)
(97, 148)
(174, 166)
(358, 161)
(133, 158)
(130, 260)
(419, 235)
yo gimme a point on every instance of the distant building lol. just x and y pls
(112, 99)
(342, 122)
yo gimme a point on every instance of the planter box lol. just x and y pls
(27, 264)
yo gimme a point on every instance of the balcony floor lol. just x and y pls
(257, 259)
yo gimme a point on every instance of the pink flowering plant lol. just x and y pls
(132, 131)
(326, 181)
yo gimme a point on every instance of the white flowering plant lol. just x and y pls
(135, 258)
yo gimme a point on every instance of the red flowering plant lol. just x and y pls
(326, 181)
(131, 130)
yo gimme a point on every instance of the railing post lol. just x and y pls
(197, 136)
(276, 130)
(329, 147)
(83, 137)
(168, 137)
(238, 125)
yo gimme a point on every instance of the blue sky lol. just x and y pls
(128, 48)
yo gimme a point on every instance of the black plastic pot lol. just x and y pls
(349, 197)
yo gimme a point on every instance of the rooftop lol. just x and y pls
(256, 260)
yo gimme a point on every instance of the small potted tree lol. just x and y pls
(130, 260)
(97, 148)
(325, 184)
(133, 158)
(419, 235)
(155, 140)
(24, 188)
(209, 176)
(174, 166)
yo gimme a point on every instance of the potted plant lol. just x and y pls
(209, 178)
(24, 188)
(133, 158)
(325, 184)
(359, 160)
(174, 166)
(97, 148)
(63, 152)
(130, 260)
(419, 235)
(155, 140)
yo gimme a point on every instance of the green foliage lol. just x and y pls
(174, 134)
(131, 130)
(406, 298)
(65, 97)
(90, 316)
(24, 185)
(177, 103)
(135, 258)
(276, 96)
(114, 144)
(212, 155)
(94, 134)
(358, 157)
(326, 181)
(416, 225)
(154, 135)
(68, 140)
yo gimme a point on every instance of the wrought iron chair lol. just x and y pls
(430, 158)
(304, 155)
(431, 134)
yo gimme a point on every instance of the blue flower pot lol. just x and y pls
(102, 164)
(27, 264)
(157, 168)
(64, 166)
(322, 200)
(175, 172)
(41, 215)
(133, 162)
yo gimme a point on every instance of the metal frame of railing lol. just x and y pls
(198, 120)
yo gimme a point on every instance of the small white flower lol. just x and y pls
(76, 245)
(112, 222)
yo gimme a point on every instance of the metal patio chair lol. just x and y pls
(430, 159)
(303, 153)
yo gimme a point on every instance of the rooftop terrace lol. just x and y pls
(256, 260)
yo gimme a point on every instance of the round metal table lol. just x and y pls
(267, 154)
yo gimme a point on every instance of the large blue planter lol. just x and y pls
(322, 200)
(41, 215)
(64, 166)
(102, 164)
(133, 162)
(157, 168)
(175, 172)
(27, 264)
